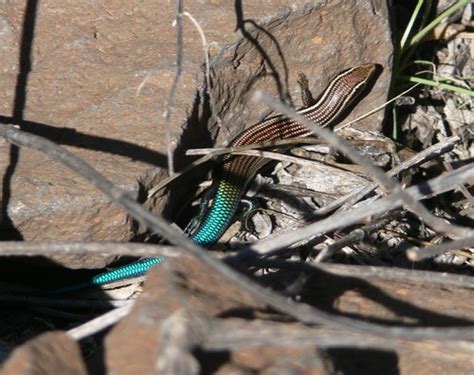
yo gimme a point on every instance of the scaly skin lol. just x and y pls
(238, 170)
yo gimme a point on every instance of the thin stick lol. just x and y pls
(462, 188)
(371, 112)
(171, 97)
(32, 248)
(229, 334)
(218, 151)
(279, 157)
(55, 302)
(355, 236)
(99, 324)
(223, 151)
(416, 254)
(205, 46)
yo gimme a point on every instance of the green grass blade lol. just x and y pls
(420, 35)
(442, 85)
(410, 24)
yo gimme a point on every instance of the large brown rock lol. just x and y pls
(183, 286)
(190, 319)
(101, 75)
(48, 354)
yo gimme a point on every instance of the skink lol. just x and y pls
(237, 171)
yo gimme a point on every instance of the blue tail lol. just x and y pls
(211, 229)
(134, 269)
(128, 271)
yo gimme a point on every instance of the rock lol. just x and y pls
(281, 360)
(190, 319)
(49, 353)
(182, 291)
(101, 75)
